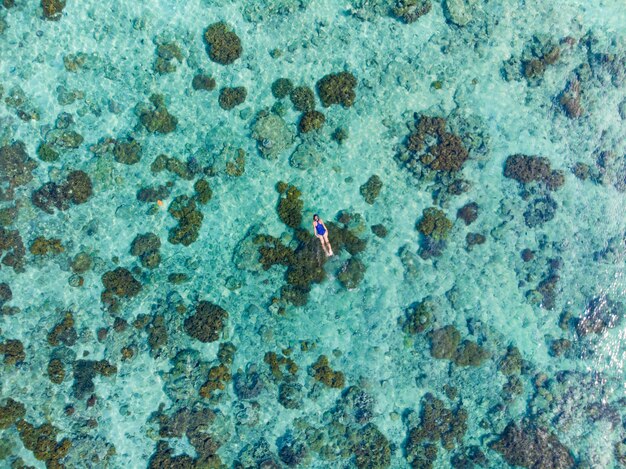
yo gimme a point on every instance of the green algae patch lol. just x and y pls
(223, 44)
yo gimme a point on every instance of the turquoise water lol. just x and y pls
(176, 311)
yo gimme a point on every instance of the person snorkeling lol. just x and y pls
(321, 232)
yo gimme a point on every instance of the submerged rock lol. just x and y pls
(459, 12)
(272, 134)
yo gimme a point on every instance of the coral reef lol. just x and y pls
(468, 213)
(42, 246)
(248, 384)
(157, 333)
(290, 207)
(174, 166)
(11, 412)
(409, 11)
(351, 273)
(371, 189)
(13, 351)
(511, 362)
(337, 88)
(118, 283)
(183, 208)
(600, 314)
(281, 88)
(153, 194)
(310, 121)
(206, 323)
(431, 146)
(219, 376)
(436, 423)
(379, 230)
(322, 372)
(77, 189)
(539, 211)
(203, 191)
(223, 45)
(84, 373)
(232, 97)
(302, 98)
(167, 55)
(42, 441)
(146, 247)
(529, 446)
(203, 82)
(64, 332)
(53, 9)
(418, 317)
(16, 168)
(127, 151)
(445, 343)
(526, 169)
(56, 372)
(12, 249)
(275, 361)
(5, 293)
(372, 450)
(434, 224)
(290, 395)
(46, 153)
(156, 118)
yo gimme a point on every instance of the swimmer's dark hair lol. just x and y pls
(315, 215)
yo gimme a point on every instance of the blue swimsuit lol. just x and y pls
(320, 229)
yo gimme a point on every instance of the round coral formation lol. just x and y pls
(310, 121)
(302, 98)
(203, 82)
(337, 88)
(434, 224)
(206, 323)
(232, 97)
(223, 45)
(282, 87)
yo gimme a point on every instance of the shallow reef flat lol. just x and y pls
(164, 303)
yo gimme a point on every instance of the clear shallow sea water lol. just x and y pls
(539, 297)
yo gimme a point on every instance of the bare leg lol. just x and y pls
(323, 245)
(328, 248)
